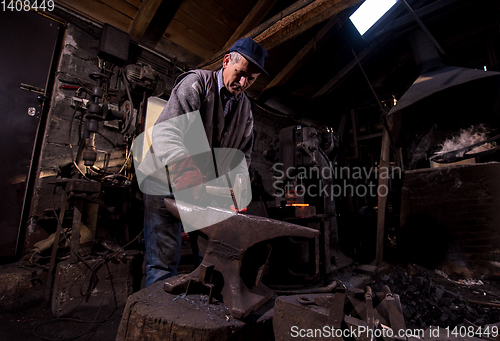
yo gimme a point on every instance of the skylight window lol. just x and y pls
(369, 13)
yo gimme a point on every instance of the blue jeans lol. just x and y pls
(162, 237)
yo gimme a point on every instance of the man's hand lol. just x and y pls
(185, 174)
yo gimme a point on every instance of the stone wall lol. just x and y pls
(61, 135)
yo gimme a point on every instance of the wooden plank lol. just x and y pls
(382, 199)
(219, 12)
(254, 17)
(244, 4)
(122, 7)
(188, 44)
(193, 35)
(98, 11)
(290, 23)
(407, 18)
(216, 60)
(198, 27)
(143, 18)
(161, 19)
(55, 246)
(198, 13)
(136, 3)
(301, 21)
(188, 60)
(238, 10)
(299, 59)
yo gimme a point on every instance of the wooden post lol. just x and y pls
(55, 246)
(75, 233)
(382, 196)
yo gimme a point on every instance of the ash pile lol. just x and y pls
(432, 298)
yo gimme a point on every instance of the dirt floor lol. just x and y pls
(428, 297)
(38, 323)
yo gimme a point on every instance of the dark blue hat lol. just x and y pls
(252, 51)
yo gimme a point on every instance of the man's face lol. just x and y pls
(239, 76)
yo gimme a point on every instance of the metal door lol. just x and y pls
(27, 43)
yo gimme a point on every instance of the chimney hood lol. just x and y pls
(442, 92)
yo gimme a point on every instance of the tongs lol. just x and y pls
(461, 154)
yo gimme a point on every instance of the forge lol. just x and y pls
(446, 125)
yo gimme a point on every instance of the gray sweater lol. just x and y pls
(198, 118)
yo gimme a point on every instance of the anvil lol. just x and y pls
(228, 240)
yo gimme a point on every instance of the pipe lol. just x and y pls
(424, 28)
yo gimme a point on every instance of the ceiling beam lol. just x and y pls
(161, 19)
(289, 23)
(98, 12)
(254, 17)
(421, 12)
(217, 58)
(143, 19)
(300, 58)
(300, 21)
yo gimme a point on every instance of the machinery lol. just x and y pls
(301, 170)
(117, 100)
(113, 109)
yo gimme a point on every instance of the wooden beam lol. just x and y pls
(211, 7)
(187, 43)
(135, 3)
(122, 7)
(210, 20)
(188, 37)
(191, 34)
(143, 19)
(258, 12)
(99, 12)
(383, 192)
(201, 29)
(289, 23)
(238, 10)
(299, 59)
(301, 21)
(162, 17)
(408, 18)
(217, 58)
